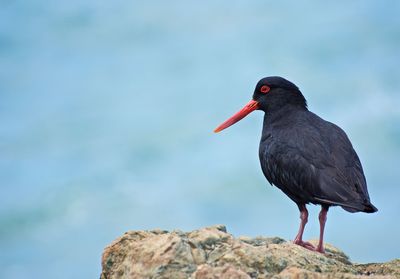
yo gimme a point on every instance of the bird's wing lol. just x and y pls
(341, 178)
(316, 164)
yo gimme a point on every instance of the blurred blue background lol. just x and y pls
(107, 110)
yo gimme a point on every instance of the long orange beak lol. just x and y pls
(249, 107)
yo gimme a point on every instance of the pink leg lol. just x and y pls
(322, 220)
(299, 237)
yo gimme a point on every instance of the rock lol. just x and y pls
(211, 252)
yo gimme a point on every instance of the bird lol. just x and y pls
(308, 158)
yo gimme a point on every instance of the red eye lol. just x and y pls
(264, 89)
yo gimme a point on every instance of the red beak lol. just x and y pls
(249, 107)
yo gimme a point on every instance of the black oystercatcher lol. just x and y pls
(311, 160)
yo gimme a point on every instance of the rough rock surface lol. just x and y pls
(213, 253)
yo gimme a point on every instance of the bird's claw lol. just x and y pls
(305, 244)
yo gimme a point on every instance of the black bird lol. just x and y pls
(311, 160)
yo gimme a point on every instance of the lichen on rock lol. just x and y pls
(211, 253)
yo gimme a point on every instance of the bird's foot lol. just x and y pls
(304, 244)
(320, 249)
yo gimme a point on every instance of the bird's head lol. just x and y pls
(270, 94)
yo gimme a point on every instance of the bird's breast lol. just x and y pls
(266, 157)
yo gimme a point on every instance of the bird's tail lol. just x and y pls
(370, 208)
(366, 207)
(354, 206)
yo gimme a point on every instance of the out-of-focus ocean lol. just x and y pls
(107, 110)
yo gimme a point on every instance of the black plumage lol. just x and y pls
(311, 160)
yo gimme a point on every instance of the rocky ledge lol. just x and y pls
(213, 253)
